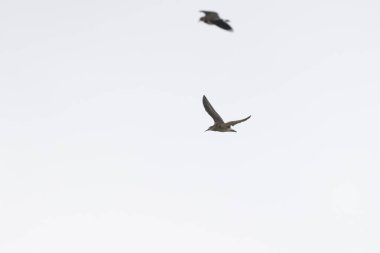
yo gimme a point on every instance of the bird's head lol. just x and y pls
(208, 129)
(202, 19)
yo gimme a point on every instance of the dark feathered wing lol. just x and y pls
(211, 111)
(232, 123)
(222, 24)
(212, 15)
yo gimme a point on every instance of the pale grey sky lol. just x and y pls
(102, 146)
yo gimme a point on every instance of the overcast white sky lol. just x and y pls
(102, 146)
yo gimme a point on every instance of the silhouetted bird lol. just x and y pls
(219, 124)
(212, 18)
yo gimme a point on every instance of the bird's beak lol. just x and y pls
(206, 130)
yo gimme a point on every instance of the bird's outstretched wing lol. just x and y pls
(232, 123)
(222, 24)
(212, 15)
(211, 111)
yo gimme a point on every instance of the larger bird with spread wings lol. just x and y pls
(219, 124)
(212, 18)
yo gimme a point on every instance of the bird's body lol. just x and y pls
(219, 124)
(220, 128)
(212, 18)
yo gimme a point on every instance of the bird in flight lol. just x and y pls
(219, 124)
(212, 18)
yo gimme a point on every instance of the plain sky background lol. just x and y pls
(102, 146)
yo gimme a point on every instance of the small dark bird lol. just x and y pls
(212, 18)
(219, 124)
